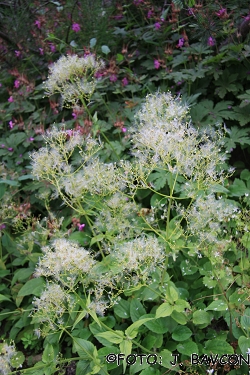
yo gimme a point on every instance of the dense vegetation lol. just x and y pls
(124, 187)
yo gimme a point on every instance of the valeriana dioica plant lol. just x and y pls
(177, 173)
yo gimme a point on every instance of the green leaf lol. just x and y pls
(22, 274)
(132, 330)
(238, 188)
(166, 359)
(217, 346)
(4, 298)
(136, 309)
(115, 337)
(9, 182)
(105, 49)
(155, 325)
(48, 354)
(122, 309)
(187, 348)
(164, 310)
(97, 238)
(125, 348)
(159, 179)
(201, 317)
(179, 317)
(17, 360)
(218, 305)
(32, 287)
(85, 349)
(244, 344)
(181, 333)
(92, 42)
(180, 305)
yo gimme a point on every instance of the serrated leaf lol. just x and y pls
(181, 333)
(201, 317)
(187, 348)
(244, 344)
(217, 346)
(218, 305)
(164, 310)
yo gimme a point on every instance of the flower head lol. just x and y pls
(72, 76)
(157, 64)
(76, 27)
(157, 26)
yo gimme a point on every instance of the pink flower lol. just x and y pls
(157, 26)
(157, 64)
(210, 41)
(31, 139)
(38, 24)
(10, 149)
(52, 47)
(125, 81)
(124, 130)
(76, 27)
(41, 51)
(11, 124)
(18, 53)
(181, 43)
(80, 227)
(11, 100)
(150, 13)
(16, 84)
(113, 78)
(222, 13)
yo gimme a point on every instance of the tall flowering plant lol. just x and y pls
(167, 205)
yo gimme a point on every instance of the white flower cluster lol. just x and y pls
(206, 216)
(6, 353)
(163, 135)
(117, 216)
(65, 261)
(50, 307)
(72, 76)
(141, 255)
(95, 177)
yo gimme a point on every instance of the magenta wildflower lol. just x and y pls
(124, 130)
(222, 13)
(125, 81)
(10, 149)
(180, 43)
(157, 64)
(157, 26)
(80, 227)
(74, 115)
(113, 78)
(210, 41)
(52, 47)
(2, 226)
(18, 53)
(38, 24)
(150, 14)
(11, 124)
(76, 27)
(11, 100)
(16, 84)
(41, 51)
(31, 139)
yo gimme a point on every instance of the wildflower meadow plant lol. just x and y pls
(182, 171)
